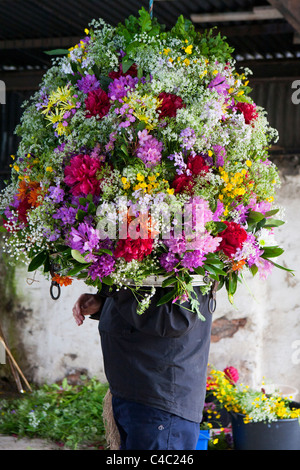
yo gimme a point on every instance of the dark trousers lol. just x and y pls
(143, 427)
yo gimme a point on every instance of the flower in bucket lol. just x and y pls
(254, 405)
(138, 120)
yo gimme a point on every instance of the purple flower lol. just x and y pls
(220, 155)
(219, 84)
(67, 215)
(85, 238)
(188, 138)
(179, 163)
(88, 83)
(193, 259)
(119, 87)
(56, 193)
(218, 212)
(176, 245)
(103, 266)
(168, 261)
(149, 149)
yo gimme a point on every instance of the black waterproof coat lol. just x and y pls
(158, 358)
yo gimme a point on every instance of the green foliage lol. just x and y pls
(68, 414)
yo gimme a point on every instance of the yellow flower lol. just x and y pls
(248, 163)
(186, 62)
(152, 178)
(166, 51)
(140, 177)
(49, 168)
(86, 31)
(188, 49)
(16, 167)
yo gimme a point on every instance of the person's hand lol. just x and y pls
(87, 304)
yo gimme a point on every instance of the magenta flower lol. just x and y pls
(149, 149)
(81, 175)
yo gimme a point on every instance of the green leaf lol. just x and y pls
(220, 226)
(104, 82)
(80, 215)
(231, 284)
(272, 212)
(200, 271)
(78, 256)
(57, 52)
(3, 229)
(272, 252)
(253, 269)
(169, 281)
(37, 261)
(77, 269)
(82, 201)
(273, 223)
(92, 208)
(124, 149)
(126, 64)
(108, 281)
(105, 250)
(167, 297)
(255, 217)
(282, 267)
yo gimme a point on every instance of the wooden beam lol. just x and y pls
(40, 43)
(290, 10)
(257, 14)
(253, 29)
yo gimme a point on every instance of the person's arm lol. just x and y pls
(87, 304)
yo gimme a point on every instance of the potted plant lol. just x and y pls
(259, 421)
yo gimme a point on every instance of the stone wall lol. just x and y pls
(259, 335)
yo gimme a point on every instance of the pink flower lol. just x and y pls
(231, 374)
(81, 175)
(130, 249)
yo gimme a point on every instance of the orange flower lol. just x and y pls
(29, 190)
(62, 280)
(238, 265)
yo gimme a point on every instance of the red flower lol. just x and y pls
(97, 103)
(183, 183)
(170, 104)
(231, 374)
(131, 71)
(233, 238)
(130, 249)
(81, 175)
(197, 165)
(248, 110)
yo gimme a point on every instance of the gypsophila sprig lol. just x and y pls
(142, 154)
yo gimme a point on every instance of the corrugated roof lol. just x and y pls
(62, 22)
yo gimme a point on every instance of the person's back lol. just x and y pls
(157, 359)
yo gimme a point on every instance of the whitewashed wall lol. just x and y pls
(267, 346)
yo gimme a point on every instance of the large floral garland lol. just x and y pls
(137, 132)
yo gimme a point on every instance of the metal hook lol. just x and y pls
(212, 302)
(54, 284)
